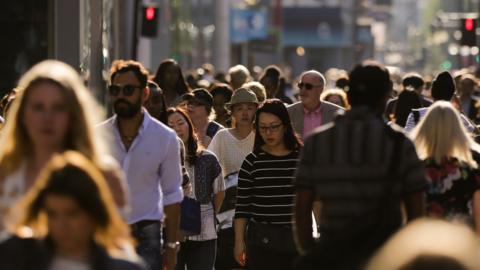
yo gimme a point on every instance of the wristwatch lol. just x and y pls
(173, 245)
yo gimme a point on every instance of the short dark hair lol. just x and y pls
(122, 66)
(414, 80)
(369, 83)
(443, 87)
(277, 108)
(222, 89)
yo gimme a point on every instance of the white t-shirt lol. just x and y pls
(231, 151)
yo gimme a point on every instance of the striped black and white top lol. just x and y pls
(265, 188)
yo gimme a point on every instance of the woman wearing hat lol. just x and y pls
(231, 146)
(199, 105)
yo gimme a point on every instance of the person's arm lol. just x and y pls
(242, 209)
(171, 186)
(476, 211)
(116, 182)
(302, 225)
(218, 184)
(240, 225)
(218, 200)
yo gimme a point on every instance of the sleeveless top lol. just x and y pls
(11, 190)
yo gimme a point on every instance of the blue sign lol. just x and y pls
(248, 24)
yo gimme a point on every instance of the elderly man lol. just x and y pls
(310, 112)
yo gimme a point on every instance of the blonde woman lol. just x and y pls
(446, 148)
(53, 112)
(68, 220)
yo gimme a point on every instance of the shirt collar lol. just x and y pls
(147, 118)
(314, 112)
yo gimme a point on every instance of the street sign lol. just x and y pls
(247, 24)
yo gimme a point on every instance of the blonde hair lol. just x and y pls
(85, 112)
(335, 92)
(429, 238)
(441, 134)
(239, 75)
(258, 89)
(72, 175)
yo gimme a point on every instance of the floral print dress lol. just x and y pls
(450, 190)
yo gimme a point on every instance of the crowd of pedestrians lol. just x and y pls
(347, 170)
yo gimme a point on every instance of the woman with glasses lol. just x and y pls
(198, 251)
(53, 112)
(264, 208)
(68, 220)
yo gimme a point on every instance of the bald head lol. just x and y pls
(311, 86)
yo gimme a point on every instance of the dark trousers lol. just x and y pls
(197, 255)
(260, 258)
(225, 244)
(149, 237)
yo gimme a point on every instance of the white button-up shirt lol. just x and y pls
(151, 166)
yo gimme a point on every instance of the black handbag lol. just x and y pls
(190, 217)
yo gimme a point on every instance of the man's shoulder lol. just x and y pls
(330, 106)
(108, 123)
(295, 106)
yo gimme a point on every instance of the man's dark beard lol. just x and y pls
(127, 111)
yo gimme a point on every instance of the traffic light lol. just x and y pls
(469, 32)
(149, 21)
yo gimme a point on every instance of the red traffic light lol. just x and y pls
(469, 24)
(150, 13)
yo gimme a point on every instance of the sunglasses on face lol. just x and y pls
(126, 89)
(307, 86)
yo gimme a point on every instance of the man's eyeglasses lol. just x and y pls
(126, 89)
(307, 86)
(271, 128)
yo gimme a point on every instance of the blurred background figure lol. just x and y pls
(239, 75)
(198, 251)
(199, 105)
(170, 78)
(465, 90)
(336, 96)
(428, 244)
(407, 101)
(155, 104)
(68, 220)
(258, 89)
(221, 93)
(452, 174)
(53, 112)
(443, 88)
(274, 83)
(412, 82)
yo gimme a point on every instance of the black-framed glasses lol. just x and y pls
(307, 86)
(271, 128)
(127, 89)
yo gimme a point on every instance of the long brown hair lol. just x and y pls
(192, 146)
(71, 174)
